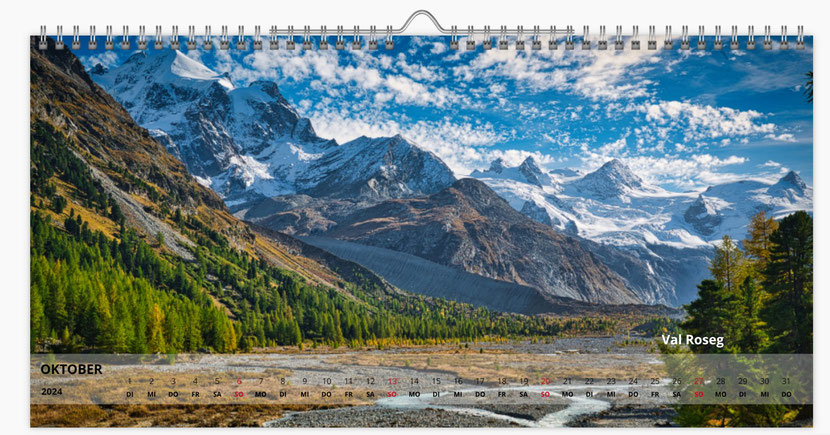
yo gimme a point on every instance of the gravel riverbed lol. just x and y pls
(378, 416)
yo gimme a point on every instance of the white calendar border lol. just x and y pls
(24, 18)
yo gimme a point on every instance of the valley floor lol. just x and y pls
(383, 413)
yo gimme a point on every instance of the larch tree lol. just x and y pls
(728, 266)
(757, 244)
(155, 327)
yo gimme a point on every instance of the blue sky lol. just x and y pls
(680, 119)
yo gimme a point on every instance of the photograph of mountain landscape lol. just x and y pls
(356, 203)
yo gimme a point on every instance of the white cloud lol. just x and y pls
(689, 172)
(462, 145)
(598, 76)
(707, 160)
(783, 137)
(695, 172)
(705, 122)
(438, 47)
(514, 157)
(380, 78)
(107, 59)
(418, 71)
(616, 147)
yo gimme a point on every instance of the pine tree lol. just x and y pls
(749, 325)
(789, 281)
(711, 314)
(36, 317)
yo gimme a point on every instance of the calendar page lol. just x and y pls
(506, 227)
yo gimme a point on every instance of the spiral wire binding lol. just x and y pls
(93, 43)
(536, 43)
(586, 38)
(799, 43)
(356, 43)
(602, 43)
(503, 39)
(569, 38)
(191, 38)
(208, 45)
(76, 37)
(503, 44)
(618, 40)
(108, 44)
(142, 39)
(635, 38)
(174, 41)
(684, 37)
(553, 44)
(125, 38)
(257, 38)
(158, 42)
(59, 40)
(652, 38)
(224, 42)
(241, 44)
(324, 43)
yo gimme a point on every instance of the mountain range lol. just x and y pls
(249, 143)
(144, 242)
(147, 183)
(606, 236)
(129, 253)
(667, 234)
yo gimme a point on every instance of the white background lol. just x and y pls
(22, 18)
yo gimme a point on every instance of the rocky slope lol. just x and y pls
(148, 182)
(468, 227)
(419, 275)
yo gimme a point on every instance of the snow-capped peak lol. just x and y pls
(617, 171)
(703, 215)
(612, 179)
(249, 142)
(267, 87)
(141, 70)
(527, 172)
(530, 164)
(533, 174)
(706, 205)
(376, 168)
(791, 181)
(497, 166)
(188, 68)
(566, 172)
